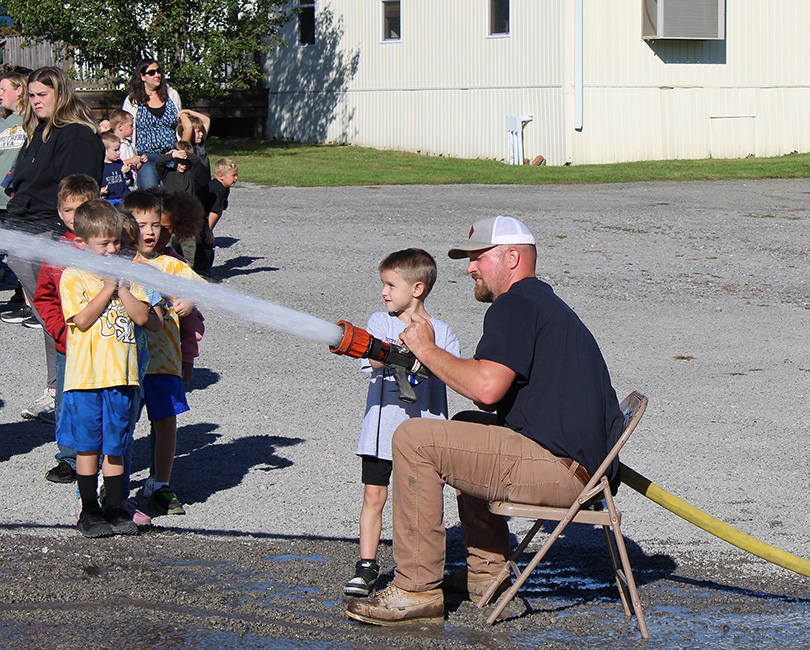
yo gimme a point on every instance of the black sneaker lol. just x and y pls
(92, 524)
(17, 315)
(62, 473)
(32, 323)
(120, 522)
(365, 577)
(166, 502)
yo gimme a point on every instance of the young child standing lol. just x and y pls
(194, 128)
(101, 372)
(200, 251)
(73, 191)
(407, 277)
(164, 394)
(181, 175)
(122, 124)
(114, 184)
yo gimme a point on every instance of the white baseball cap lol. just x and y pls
(493, 231)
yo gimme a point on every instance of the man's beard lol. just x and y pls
(482, 292)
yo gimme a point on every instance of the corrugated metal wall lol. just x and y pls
(446, 87)
(694, 99)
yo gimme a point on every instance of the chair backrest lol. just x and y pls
(632, 408)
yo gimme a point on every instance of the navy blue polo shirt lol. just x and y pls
(562, 396)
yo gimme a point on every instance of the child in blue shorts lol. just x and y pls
(163, 393)
(101, 371)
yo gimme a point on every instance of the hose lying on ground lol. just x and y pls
(713, 525)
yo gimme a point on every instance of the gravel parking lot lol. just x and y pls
(698, 294)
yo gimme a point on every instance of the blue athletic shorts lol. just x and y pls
(164, 396)
(97, 420)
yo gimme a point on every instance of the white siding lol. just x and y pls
(695, 99)
(446, 87)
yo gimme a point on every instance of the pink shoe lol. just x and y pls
(138, 517)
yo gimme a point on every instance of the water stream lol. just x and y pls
(208, 296)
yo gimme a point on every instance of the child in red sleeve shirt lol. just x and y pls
(73, 191)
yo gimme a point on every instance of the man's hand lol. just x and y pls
(419, 335)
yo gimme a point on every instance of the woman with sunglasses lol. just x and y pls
(154, 107)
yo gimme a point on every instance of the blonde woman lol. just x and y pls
(13, 98)
(62, 139)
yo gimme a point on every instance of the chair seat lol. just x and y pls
(547, 513)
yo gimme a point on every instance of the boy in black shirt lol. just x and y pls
(214, 197)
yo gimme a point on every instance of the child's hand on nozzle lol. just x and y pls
(183, 307)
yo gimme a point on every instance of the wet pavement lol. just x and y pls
(175, 588)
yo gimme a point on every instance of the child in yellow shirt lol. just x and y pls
(164, 394)
(101, 371)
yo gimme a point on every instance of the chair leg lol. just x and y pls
(628, 571)
(510, 593)
(617, 571)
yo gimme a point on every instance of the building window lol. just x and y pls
(390, 27)
(306, 23)
(498, 17)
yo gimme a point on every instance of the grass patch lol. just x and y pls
(309, 165)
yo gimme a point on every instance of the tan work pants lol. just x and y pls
(484, 463)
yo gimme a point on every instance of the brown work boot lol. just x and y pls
(472, 585)
(393, 606)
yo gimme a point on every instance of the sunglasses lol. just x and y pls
(153, 72)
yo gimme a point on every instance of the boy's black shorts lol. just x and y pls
(376, 471)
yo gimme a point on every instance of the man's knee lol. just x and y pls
(409, 435)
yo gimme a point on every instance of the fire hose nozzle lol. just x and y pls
(358, 343)
(355, 342)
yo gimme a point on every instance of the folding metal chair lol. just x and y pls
(597, 488)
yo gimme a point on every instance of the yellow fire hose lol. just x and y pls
(713, 525)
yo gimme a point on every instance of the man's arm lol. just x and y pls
(484, 382)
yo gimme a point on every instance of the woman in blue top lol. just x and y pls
(154, 107)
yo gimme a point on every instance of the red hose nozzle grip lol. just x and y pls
(355, 342)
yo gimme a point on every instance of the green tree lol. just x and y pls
(207, 47)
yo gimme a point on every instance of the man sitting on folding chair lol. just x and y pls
(556, 417)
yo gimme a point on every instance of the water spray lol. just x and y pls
(205, 295)
(342, 339)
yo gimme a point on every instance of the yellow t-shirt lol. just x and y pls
(105, 355)
(165, 356)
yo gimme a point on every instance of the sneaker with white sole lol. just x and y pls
(365, 577)
(43, 405)
(32, 323)
(16, 315)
